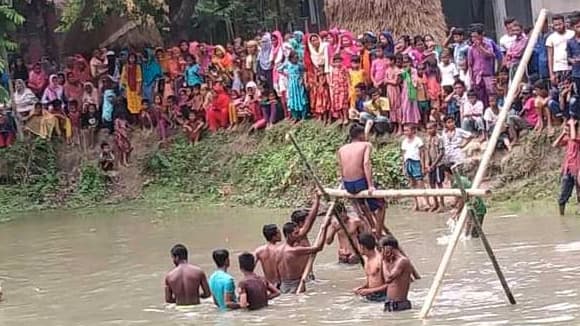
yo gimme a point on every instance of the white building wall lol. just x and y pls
(554, 6)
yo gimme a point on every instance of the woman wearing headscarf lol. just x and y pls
(90, 95)
(277, 41)
(81, 69)
(53, 91)
(264, 62)
(24, 98)
(224, 63)
(132, 79)
(217, 114)
(317, 67)
(348, 48)
(250, 62)
(151, 73)
(37, 80)
(296, 95)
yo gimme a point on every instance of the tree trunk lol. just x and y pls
(180, 13)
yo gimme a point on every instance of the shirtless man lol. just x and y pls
(397, 269)
(304, 219)
(266, 254)
(375, 287)
(182, 284)
(354, 226)
(354, 163)
(255, 291)
(289, 269)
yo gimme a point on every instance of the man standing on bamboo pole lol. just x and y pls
(354, 163)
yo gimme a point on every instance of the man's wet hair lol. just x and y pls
(179, 251)
(299, 216)
(367, 240)
(269, 231)
(356, 131)
(389, 241)
(247, 262)
(220, 256)
(288, 228)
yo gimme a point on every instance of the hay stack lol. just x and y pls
(410, 17)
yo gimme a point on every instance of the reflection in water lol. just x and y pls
(106, 267)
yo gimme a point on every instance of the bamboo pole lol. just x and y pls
(406, 193)
(438, 279)
(310, 262)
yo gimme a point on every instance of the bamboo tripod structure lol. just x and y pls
(438, 279)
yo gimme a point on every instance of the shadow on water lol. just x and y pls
(106, 266)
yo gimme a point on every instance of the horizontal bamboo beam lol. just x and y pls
(407, 193)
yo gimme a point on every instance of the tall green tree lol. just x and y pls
(10, 20)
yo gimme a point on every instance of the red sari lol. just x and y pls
(217, 114)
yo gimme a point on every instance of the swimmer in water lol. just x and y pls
(375, 287)
(289, 270)
(354, 163)
(183, 283)
(255, 291)
(266, 254)
(304, 219)
(398, 270)
(354, 226)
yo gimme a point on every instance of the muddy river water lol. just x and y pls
(106, 266)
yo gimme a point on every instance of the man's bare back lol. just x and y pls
(182, 285)
(267, 256)
(351, 158)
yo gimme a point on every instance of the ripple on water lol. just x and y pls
(567, 247)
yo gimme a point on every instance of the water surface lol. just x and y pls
(106, 267)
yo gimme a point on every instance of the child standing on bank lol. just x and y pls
(413, 159)
(569, 173)
(435, 149)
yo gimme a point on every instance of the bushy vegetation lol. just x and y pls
(262, 169)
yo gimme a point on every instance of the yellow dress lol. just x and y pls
(356, 77)
(133, 96)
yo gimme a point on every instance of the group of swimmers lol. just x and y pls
(361, 234)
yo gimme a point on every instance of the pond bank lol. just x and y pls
(261, 170)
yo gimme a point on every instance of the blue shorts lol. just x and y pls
(413, 169)
(354, 187)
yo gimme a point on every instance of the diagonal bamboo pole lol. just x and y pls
(438, 279)
(310, 262)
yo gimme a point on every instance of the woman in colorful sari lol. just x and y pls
(264, 62)
(277, 41)
(53, 91)
(73, 89)
(131, 79)
(317, 67)
(409, 106)
(296, 95)
(37, 80)
(151, 73)
(224, 63)
(347, 49)
(24, 98)
(217, 114)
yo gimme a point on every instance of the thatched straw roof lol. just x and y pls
(401, 17)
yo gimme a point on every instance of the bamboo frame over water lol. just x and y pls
(438, 279)
(407, 193)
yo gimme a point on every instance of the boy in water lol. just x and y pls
(397, 270)
(354, 163)
(304, 219)
(221, 283)
(183, 283)
(375, 287)
(254, 290)
(291, 272)
(266, 254)
(413, 160)
(435, 150)
(354, 226)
